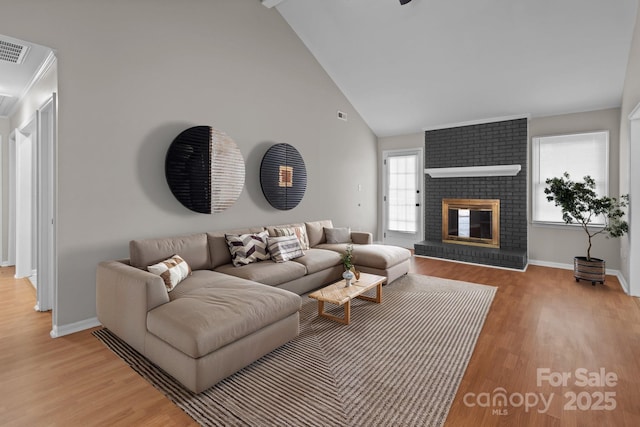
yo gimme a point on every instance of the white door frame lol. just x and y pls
(24, 149)
(11, 238)
(634, 202)
(46, 206)
(419, 235)
(1, 205)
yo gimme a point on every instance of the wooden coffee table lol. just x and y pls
(338, 294)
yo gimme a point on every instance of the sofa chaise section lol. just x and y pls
(205, 329)
(216, 330)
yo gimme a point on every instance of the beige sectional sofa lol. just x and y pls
(221, 318)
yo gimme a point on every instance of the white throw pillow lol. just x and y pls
(299, 232)
(173, 271)
(285, 248)
(247, 248)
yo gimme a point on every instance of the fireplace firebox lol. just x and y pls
(473, 222)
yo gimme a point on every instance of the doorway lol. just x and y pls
(32, 210)
(403, 182)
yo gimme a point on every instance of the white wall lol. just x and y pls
(133, 75)
(41, 91)
(553, 244)
(630, 98)
(5, 126)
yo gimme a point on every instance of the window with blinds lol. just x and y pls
(578, 154)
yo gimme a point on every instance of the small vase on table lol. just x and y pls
(348, 277)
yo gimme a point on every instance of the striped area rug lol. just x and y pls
(398, 363)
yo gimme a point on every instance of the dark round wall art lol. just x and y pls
(205, 169)
(283, 176)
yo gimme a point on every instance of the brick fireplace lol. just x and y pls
(483, 162)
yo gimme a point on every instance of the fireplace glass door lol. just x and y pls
(471, 222)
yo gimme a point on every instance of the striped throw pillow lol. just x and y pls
(299, 232)
(247, 248)
(285, 248)
(173, 271)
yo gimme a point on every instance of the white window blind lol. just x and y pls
(402, 193)
(579, 155)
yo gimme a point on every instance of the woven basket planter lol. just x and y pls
(590, 270)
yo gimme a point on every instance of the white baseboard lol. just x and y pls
(623, 282)
(563, 266)
(550, 264)
(60, 331)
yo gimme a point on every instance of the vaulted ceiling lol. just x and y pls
(431, 63)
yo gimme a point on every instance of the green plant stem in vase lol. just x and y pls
(347, 262)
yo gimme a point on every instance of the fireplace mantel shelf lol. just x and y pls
(474, 171)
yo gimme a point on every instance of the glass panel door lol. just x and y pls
(403, 197)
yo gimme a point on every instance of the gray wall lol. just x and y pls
(134, 74)
(559, 244)
(630, 98)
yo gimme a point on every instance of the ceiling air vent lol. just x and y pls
(12, 52)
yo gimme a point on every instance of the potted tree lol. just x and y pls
(580, 204)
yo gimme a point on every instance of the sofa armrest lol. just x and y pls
(361, 237)
(124, 295)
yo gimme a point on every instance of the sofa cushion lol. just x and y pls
(173, 271)
(218, 248)
(209, 318)
(338, 235)
(284, 248)
(315, 231)
(200, 279)
(374, 256)
(267, 272)
(247, 248)
(300, 231)
(193, 249)
(319, 259)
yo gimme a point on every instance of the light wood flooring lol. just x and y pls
(539, 319)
